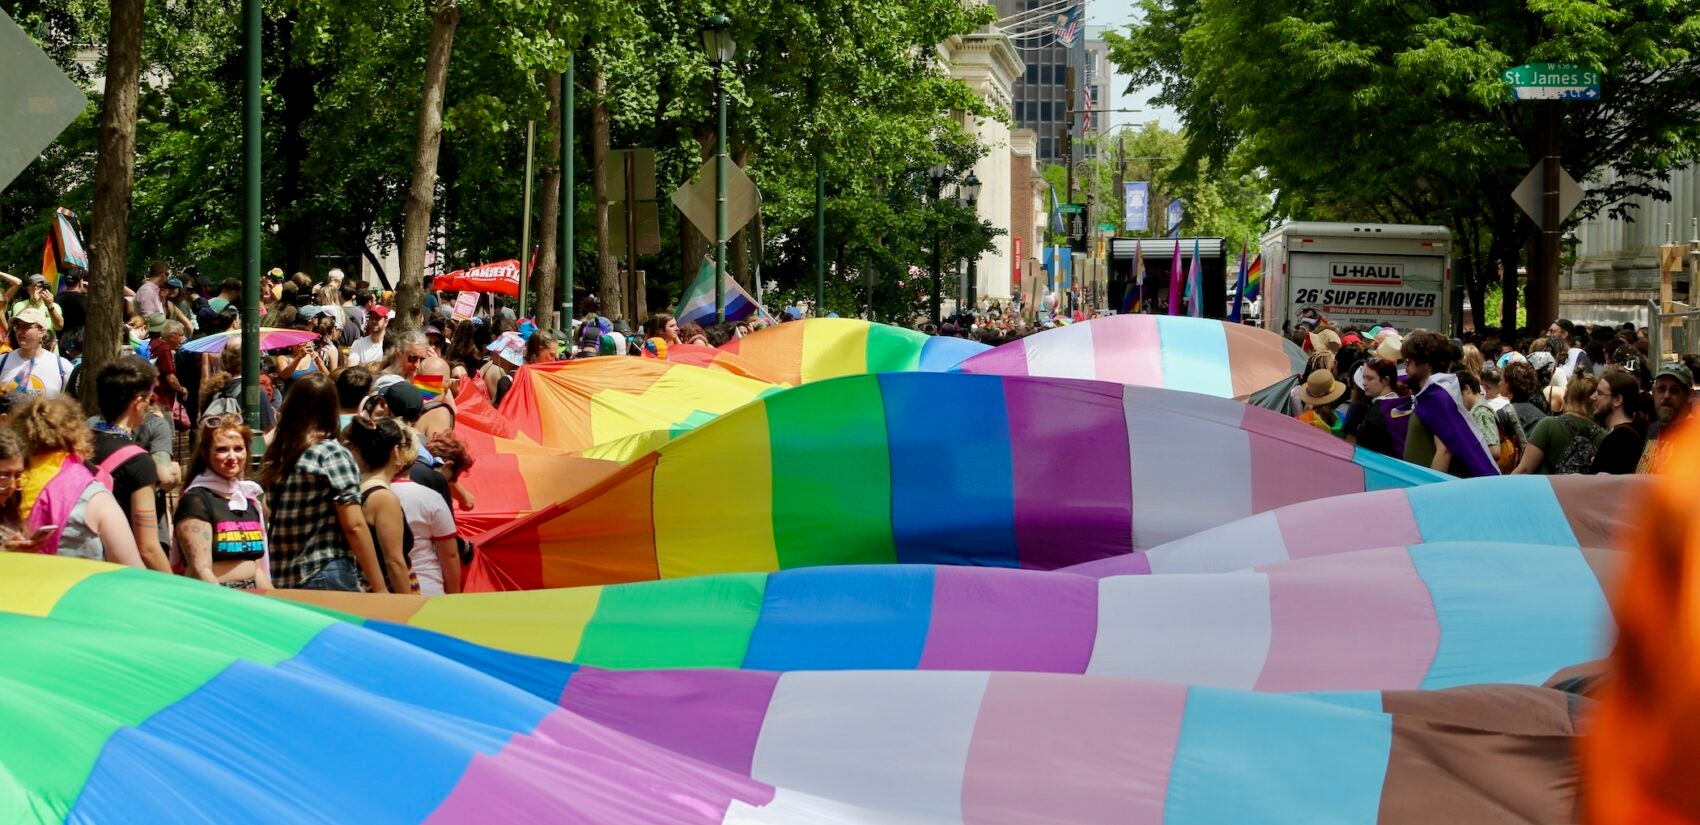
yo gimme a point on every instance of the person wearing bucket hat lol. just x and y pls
(1324, 339)
(1320, 393)
(1388, 346)
(507, 353)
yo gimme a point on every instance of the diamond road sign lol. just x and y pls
(37, 101)
(1553, 81)
(696, 198)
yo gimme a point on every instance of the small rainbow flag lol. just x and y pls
(430, 386)
(63, 246)
(1254, 278)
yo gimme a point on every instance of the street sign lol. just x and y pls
(1552, 81)
(1071, 208)
(1107, 228)
(695, 198)
(643, 173)
(1528, 194)
(648, 228)
(37, 101)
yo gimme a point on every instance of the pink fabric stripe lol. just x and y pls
(1128, 350)
(986, 618)
(1382, 518)
(1071, 749)
(1290, 465)
(570, 770)
(1132, 564)
(712, 715)
(1358, 621)
(1009, 359)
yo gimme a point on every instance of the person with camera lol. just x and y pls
(38, 295)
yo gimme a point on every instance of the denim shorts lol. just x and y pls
(337, 574)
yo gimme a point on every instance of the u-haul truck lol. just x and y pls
(1358, 274)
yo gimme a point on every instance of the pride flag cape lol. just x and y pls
(1199, 355)
(696, 306)
(1440, 408)
(931, 468)
(63, 246)
(1175, 275)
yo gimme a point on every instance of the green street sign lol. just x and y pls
(1106, 227)
(1071, 208)
(1552, 81)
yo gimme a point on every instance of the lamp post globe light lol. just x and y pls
(970, 193)
(718, 44)
(936, 176)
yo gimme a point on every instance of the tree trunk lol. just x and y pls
(422, 190)
(607, 269)
(109, 226)
(548, 228)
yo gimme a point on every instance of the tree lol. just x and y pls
(1403, 116)
(109, 234)
(422, 191)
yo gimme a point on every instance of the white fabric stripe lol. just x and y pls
(1200, 629)
(1064, 352)
(1237, 545)
(792, 808)
(1174, 456)
(877, 739)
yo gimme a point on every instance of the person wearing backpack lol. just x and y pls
(66, 504)
(124, 391)
(1566, 443)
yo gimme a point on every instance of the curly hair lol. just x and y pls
(452, 451)
(1521, 381)
(53, 424)
(1430, 349)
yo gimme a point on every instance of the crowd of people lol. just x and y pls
(360, 476)
(1572, 400)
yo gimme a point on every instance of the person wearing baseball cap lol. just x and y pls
(29, 368)
(39, 295)
(1673, 397)
(369, 348)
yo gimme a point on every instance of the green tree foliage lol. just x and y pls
(859, 83)
(1398, 113)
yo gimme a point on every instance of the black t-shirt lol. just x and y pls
(132, 475)
(1619, 452)
(236, 536)
(74, 306)
(429, 478)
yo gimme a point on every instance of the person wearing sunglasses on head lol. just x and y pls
(123, 389)
(221, 530)
(411, 349)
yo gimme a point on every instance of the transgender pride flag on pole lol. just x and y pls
(696, 306)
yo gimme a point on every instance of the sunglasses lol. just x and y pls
(213, 422)
(414, 359)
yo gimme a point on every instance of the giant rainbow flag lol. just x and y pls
(1173, 352)
(816, 349)
(931, 468)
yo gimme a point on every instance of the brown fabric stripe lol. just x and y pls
(1481, 754)
(1256, 359)
(389, 607)
(1599, 508)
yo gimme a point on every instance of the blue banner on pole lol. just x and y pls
(1137, 206)
(1176, 213)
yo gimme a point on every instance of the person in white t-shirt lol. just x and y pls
(434, 555)
(369, 348)
(29, 368)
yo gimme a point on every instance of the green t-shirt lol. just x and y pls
(1486, 423)
(20, 306)
(1551, 436)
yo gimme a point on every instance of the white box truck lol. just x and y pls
(1358, 274)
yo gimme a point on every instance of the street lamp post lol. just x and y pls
(717, 41)
(970, 194)
(936, 176)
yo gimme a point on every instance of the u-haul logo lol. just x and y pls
(1370, 274)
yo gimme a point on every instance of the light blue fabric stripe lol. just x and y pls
(1504, 508)
(1387, 473)
(1195, 356)
(1247, 757)
(1364, 700)
(1507, 611)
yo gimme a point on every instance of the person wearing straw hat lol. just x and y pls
(1319, 394)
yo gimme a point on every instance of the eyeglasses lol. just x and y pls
(9, 478)
(414, 359)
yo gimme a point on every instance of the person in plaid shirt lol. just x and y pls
(313, 483)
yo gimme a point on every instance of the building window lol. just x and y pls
(1033, 73)
(1044, 147)
(1045, 74)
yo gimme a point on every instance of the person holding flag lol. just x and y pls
(1239, 289)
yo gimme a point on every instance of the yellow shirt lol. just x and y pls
(42, 469)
